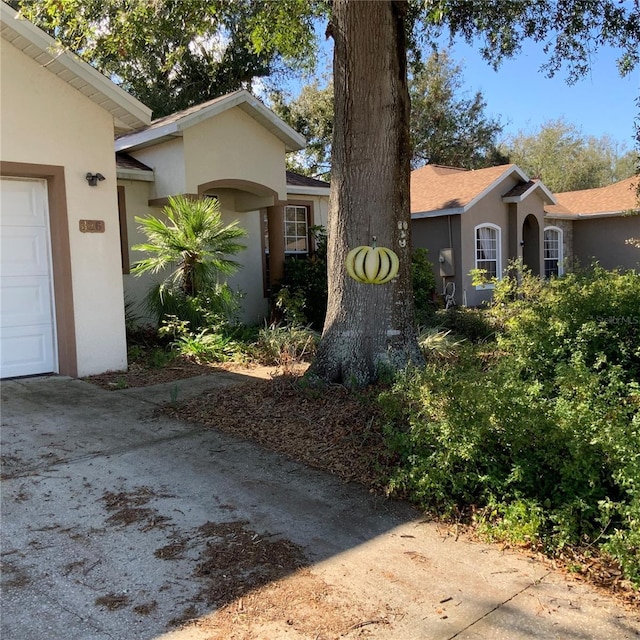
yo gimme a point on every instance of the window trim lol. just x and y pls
(307, 215)
(560, 233)
(498, 258)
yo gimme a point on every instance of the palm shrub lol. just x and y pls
(193, 245)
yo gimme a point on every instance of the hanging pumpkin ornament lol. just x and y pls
(372, 265)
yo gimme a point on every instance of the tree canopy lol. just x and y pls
(447, 125)
(169, 54)
(567, 160)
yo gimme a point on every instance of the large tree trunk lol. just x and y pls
(369, 328)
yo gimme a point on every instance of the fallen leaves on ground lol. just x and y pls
(328, 428)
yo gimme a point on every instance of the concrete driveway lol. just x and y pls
(118, 523)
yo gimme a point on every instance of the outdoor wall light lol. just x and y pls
(92, 178)
(522, 243)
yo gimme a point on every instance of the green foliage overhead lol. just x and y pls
(170, 54)
(567, 160)
(447, 126)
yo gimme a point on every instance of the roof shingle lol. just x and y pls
(614, 198)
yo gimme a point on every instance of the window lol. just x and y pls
(296, 231)
(553, 254)
(488, 251)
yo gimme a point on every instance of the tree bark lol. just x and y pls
(369, 329)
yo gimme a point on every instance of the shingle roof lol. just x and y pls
(297, 180)
(614, 198)
(435, 188)
(125, 161)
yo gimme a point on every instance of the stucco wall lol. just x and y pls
(46, 121)
(136, 195)
(167, 161)
(435, 234)
(232, 145)
(603, 239)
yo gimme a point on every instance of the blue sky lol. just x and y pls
(600, 103)
(522, 97)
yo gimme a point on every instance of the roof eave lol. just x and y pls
(308, 191)
(141, 175)
(128, 112)
(437, 213)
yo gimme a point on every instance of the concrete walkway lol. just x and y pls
(98, 488)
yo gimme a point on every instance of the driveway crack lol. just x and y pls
(500, 604)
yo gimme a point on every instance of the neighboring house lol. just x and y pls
(596, 224)
(232, 148)
(478, 219)
(61, 304)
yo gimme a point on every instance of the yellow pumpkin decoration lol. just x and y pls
(372, 265)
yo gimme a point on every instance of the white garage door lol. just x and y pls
(26, 302)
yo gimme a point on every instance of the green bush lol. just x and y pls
(301, 297)
(542, 437)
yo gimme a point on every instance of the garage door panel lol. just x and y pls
(27, 349)
(27, 329)
(24, 251)
(22, 203)
(25, 301)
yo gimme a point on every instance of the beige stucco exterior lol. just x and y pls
(231, 155)
(45, 121)
(521, 225)
(604, 239)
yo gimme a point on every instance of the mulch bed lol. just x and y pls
(327, 428)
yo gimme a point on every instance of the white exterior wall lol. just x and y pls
(46, 121)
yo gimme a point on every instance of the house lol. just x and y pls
(232, 148)
(596, 224)
(61, 291)
(478, 219)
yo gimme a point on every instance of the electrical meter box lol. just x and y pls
(445, 259)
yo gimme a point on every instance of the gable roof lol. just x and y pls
(438, 190)
(171, 126)
(613, 199)
(128, 113)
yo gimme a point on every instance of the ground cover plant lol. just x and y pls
(536, 433)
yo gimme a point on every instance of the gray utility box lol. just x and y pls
(445, 259)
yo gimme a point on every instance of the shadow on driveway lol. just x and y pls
(122, 523)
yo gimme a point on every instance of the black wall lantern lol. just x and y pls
(92, 178)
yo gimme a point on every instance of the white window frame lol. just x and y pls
(498, 258)
(298, 236)
(560, 233)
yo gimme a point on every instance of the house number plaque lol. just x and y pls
(92, 226)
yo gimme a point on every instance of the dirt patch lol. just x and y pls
(237, 560)
(127, 508)
(301, 605)
(172, 551)
(180, 368)
(257, 582)
(113, 601)
(146, 608)
(327, 428)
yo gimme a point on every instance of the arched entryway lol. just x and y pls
(531, 244)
